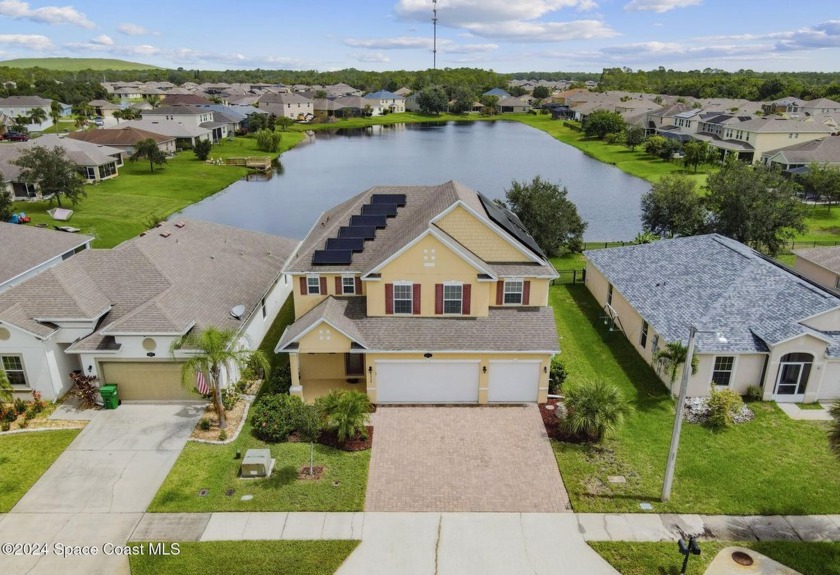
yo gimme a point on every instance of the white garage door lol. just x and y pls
(426, 381)
(514, 381)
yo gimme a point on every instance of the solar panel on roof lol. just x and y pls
(389, 210)
(331, 257)
(398, 199)
(510, 223)
(377, 220)
(352, 244)
(365, 232)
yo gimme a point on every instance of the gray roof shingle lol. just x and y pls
(23, 248)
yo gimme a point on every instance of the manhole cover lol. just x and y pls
(246, 498)
(646, 506)
(203, 492)
(742, 558)
(230, 492)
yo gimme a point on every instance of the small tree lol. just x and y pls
(541, 92)
(463, 99)
(6, 202)
(55, 111)
(284, 122)
(491, 105)
(673, 207)
(672, 356)
(309, 426)
(268, 141)
(255, 122)
(594, 408)
(202, 149)
(634, 136)
(602, 122)
(54, 174)
(215, 352)
(824, 181)
(669, 148)
(148, 149)
(695, 153)
(432, 100)
(653, 145)
(548, 215)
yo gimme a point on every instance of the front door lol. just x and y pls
(792, 378)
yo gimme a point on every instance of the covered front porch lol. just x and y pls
(315, 374)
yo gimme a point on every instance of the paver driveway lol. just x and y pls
(463, 459)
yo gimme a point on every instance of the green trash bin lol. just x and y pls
(109, 395)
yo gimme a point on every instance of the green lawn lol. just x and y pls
(248, 558)
(664, 559)
(213, 467)
(24, 457)
(773, 465)
(115, 210)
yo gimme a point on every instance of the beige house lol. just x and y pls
(421, 294)
(124, 138)
(821, 265)
(758, 324)
(751, 138)
(293, 106)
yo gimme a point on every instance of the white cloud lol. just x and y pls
(823, 35)
(468, 48)
(398, 43)
(659, 6)
(28, 41)
(47, 14)
(373, 57)
(135, 30)
(518, 31)
(102, 40)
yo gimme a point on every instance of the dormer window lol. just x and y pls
(513, 292)
(348, 285)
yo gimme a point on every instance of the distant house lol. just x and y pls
(293, 106)
(114, 313)
(124, 138)
(183, 133)
(103, 108)
(821, 265)
(26, 251)
(15, 106)
(352, 106)
(187, 115)
(822, 151)
(759, 324)
(749, 138)
(394, 103)
(94, 162)
(171, 99)
(498, 92)
(511, 105)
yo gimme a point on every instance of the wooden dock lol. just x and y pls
(252, 162)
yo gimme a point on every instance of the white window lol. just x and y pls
(403, 300)
(452, 298)
(722, 373)
(313, 285)
(348, 285)
(513, 292)
(13, 366)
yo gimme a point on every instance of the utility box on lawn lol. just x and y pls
(256, 463)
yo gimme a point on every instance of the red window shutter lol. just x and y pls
(389, 298)
(323, 285)
(415, 294)
(303, 289)
(438, 299)
(465, 301)
(500, 292)
(358, 286)
(338, 290)
(526, 292)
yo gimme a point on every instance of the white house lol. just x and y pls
(115, 313)
(15, 106)
(388, 101)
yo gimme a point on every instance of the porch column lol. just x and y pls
(294, 367)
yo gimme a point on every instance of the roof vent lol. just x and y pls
(237, 311)
(180, 224)
(165, 234)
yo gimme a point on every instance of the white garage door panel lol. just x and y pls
(513, 381)
(427, 381)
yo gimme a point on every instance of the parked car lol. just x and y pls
(16, 137)
(99, 121)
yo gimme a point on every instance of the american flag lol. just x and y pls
(201, 383)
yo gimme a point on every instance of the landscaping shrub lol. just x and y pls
(275, 416)
(724, 405)
(30, 414)
(345, 413)
(19, 405)
(242, 385)
(268, 141)
(229, 397)
(202, 149)
(23, 424)
(280, 379)
(5, 426)
(595, 408)
(38, 404)
(9, 414)
(753, 393)
(556, 376)
(204, 424)
(223, 435)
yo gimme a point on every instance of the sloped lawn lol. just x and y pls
(24, 457)
(773, 465)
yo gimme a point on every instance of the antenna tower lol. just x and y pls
(434, 41)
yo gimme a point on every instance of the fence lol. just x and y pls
(570, 277)
(812, 244)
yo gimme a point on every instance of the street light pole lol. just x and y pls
(675, 435)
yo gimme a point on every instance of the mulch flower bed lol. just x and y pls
(329, 438)
(552, 424)
(317, 472)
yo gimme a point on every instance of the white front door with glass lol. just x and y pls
(792, 377)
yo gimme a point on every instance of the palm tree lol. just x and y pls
(37, 115)
(119, 115)
(834, 430)
(55, 111)
(215, 351)
(152, 99)
(672, 356)
(594, 408)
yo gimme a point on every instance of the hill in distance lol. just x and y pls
(76, 64)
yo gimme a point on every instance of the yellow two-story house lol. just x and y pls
(421, 294)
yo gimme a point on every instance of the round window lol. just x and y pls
(4, 334)
(149, 344)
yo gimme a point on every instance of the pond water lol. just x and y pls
(328, 168)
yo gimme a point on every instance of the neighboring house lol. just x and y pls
(292, 106)
(394, 103)
(421, 294)
(114, 313)
(94, 162)
(104, 108)
(822, 151)
(821, 265)
(511, 105)
(192, 116)
(183, 133)
(128, 93)
(820, 106)
(15, 106)
(788, 105)
(351, 106)
(761, 325)
(498, 92)
(124, 138)
(752, 137)
(27, 250)
(187, 99)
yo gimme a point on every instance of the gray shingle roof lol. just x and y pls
(23, 248)
(716, 284)
(512, 329)
(824, 150)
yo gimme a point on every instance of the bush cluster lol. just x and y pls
(724, 405)
(275, 416)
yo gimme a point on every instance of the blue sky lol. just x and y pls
(503, 35)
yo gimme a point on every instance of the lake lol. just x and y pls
(328, 168)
